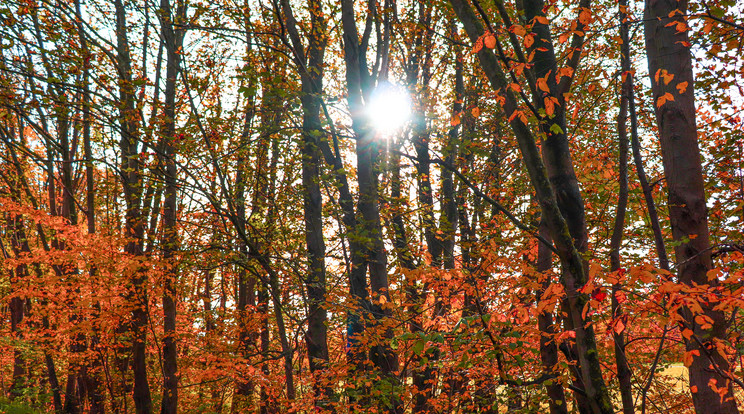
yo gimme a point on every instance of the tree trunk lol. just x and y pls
(173, 39)
(132, 182)
(623, 369)
(668, 51)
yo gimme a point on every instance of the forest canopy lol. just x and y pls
(448, 206)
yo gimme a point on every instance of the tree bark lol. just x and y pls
(668, 51)
(129, 123)
(173, 39)
(621, 361)
(315, 281)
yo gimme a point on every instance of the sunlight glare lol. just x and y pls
(389, 108)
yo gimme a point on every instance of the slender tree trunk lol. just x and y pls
(14, 225)
(173, 39)
(670, 69)
(134, 221)
(623, 369)
(546, 325)
(315, 282)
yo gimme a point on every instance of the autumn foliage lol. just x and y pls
(201, 212)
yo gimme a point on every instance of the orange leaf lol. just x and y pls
(476, 112)
(518, 30)
(542, 19)
(663, 99)
(478, 45)
(687, 358)
(667, 77)
(687, 333)
(542, 84)
(619, 326)
(693, 389)
(455, 121)
(529, 40)
(490, 41)
(682, 87)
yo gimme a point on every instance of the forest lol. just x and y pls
(372, 206)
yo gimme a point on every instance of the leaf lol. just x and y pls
(529, 40)
(455, 120)
(694, 389)
(549, 107)
(619, 326)
(663, 99)
(687, 333)
(542, 20)
(518, 30)
(682, 87)
(476, 112)
(418, 346)
(542, 84)
(687, 358)
(478, 45)
(599, 294)
(667, 77)
(489, 41)
(556, 129)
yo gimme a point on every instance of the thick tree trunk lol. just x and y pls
(670, 69)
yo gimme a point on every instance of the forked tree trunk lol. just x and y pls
(563, 219)
(129, 144)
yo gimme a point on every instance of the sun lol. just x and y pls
(389, 108)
